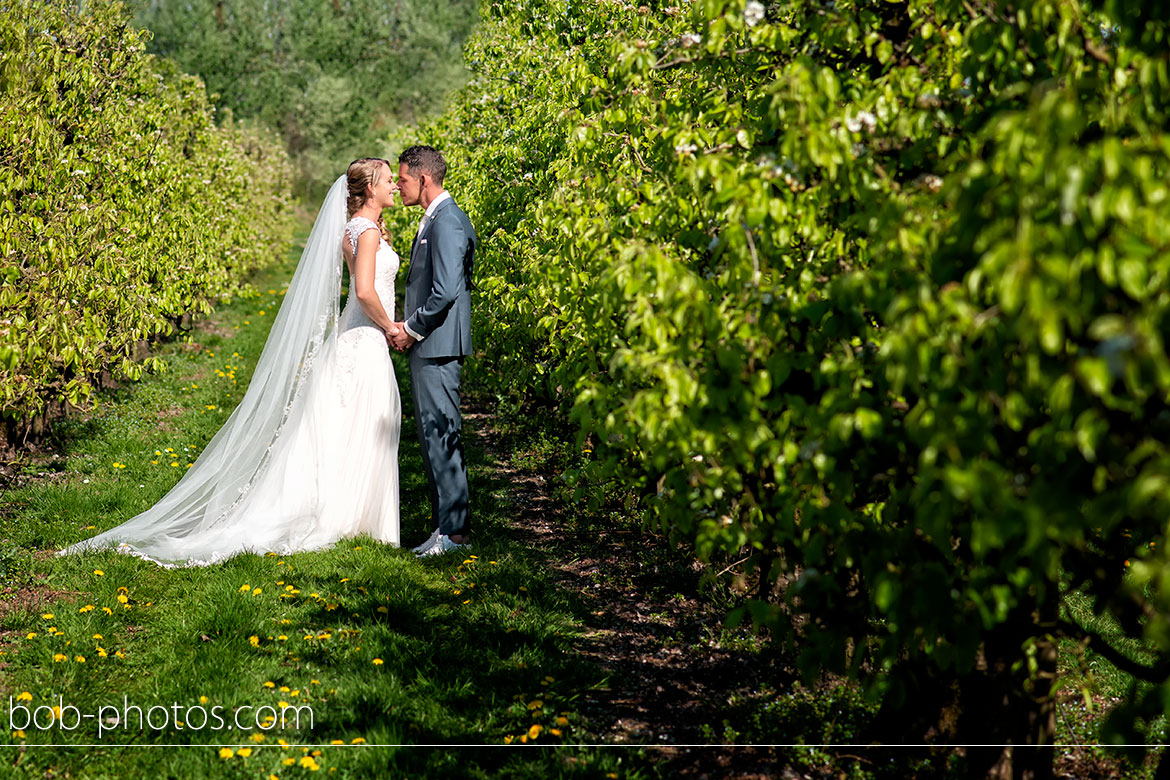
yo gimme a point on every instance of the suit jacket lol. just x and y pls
(437, 301)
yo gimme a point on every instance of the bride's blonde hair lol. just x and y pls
(363, 172)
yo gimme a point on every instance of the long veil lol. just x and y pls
(238, 454)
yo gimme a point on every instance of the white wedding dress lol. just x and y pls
(311, 454)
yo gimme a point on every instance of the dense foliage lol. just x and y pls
(330, 75)
(875, 290)
(123, 206)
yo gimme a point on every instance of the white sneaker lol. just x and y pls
(442, 546)
(428, 543)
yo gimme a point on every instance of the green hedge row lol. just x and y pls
(123, 204)
(876, 291)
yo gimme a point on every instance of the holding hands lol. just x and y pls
(399, 338)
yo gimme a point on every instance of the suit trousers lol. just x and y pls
(435, 385)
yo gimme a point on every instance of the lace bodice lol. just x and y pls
(385, 269)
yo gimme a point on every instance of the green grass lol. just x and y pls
(468, 647)
(383, 648)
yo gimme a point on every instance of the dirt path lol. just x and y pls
(671, 683)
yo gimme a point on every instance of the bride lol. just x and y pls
(311, 453)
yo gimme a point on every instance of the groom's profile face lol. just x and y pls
(409, 186)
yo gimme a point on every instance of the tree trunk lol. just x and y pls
(1005, 706)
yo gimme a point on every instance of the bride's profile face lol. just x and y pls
(382, 193)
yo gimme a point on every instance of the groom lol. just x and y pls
(437, 331)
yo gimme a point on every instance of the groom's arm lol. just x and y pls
(448, 248)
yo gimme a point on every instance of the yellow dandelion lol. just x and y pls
(555, 732)
(270, 684)
(508, 739)
(122, 599)
(357, 741)
(19, 733)
(107, 610)
(203, 700)
(289, 761)
(225, 752)
(377, 662)
(58, 657)
(47, 616)
(99, 572)
(534, 730)
(562, 720)
(535, 704)
(337, 742)
(24, 696)
(257, 591)
(30, 635)
(245, 752)
(257, 737)
(79, 659)
(308, 763)
(284, 689)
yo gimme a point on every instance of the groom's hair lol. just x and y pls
(425, 159)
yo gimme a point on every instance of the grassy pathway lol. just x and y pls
(566, 628)
(372, 645)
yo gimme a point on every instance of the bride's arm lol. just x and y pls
(363, 282)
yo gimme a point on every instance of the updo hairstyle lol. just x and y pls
(362, 173)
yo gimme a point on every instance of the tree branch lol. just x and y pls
(1154, 674)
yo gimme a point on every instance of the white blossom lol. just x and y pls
(754, 13)
(690, 39)
(864, 120)
(686, 150)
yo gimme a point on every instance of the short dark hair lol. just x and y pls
(425, 159)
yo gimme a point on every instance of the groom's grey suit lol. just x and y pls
(438, 308)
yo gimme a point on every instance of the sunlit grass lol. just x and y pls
(384, 648)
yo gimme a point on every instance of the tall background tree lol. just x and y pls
(333, 76)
